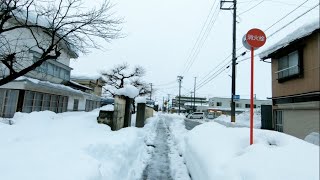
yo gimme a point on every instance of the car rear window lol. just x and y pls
(198, 113)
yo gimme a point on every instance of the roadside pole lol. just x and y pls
(251, 96)
(254, 39)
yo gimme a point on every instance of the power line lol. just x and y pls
(166, 84)
(198, 38)
(251, 8)
(206, 28)
(286, 15)
(293, 20)
(203, 40)
(219, 71)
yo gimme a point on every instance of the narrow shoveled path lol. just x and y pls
(159, 166)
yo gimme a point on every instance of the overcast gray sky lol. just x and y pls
(160, 36)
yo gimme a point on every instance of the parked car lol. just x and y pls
(210, 116)
(197, 115)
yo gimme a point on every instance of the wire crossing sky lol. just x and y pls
(194, 39)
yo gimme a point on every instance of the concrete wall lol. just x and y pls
(300, 123)
(310, 80)
(119, 112)
(149, 112)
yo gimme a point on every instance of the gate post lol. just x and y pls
(127, 115)
(141, 109)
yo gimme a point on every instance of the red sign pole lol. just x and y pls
(251, 97)
(254, 38)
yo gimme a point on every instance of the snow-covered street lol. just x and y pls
(72, 145)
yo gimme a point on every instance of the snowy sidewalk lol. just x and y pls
(159, 166)
(167, 162)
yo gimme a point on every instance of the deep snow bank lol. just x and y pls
(71, 146)
(213, 151)
(242, 120)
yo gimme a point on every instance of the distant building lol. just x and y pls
(189, 103)
(95, 83)
(295, 81)
(224, 104)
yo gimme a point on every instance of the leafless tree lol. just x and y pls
(118, 76)
(52, 26)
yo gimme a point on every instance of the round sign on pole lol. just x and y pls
(255, 38)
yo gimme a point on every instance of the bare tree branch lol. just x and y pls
(59, 25)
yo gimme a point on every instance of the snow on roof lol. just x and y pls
(140, 100)
(77, 84)
(299, 33)
(53, 85)
(128, 90)
(83, 76)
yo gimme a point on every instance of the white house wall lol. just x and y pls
(20, 38)
(81, 105)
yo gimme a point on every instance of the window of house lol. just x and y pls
(28, 101)
(46, 102)
(289, 65)
(50, 69)
(38, 102)
(238, 105)
(279, 121)
(219, 103)
(8, 104)
(60, 104)
(54, 103)
(65, 104)
(75, 104)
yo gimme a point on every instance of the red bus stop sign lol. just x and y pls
(255, 38)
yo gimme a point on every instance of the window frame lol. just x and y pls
(278, 120)
(287, 69)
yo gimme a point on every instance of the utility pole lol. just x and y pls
(233, 85)
(191, 100)
(162, 104)
(179, 80)
(168, 103)
(150, 91)
(194, 95)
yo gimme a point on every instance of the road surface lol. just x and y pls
(190, 124)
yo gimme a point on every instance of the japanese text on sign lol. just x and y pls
(256, 38)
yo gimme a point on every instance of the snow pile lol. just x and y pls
(301, 32)
(108, 107)
(242, 120)
(128, 90)
(313, 138)
(214, 151)
(140, 100)
(71, 146)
